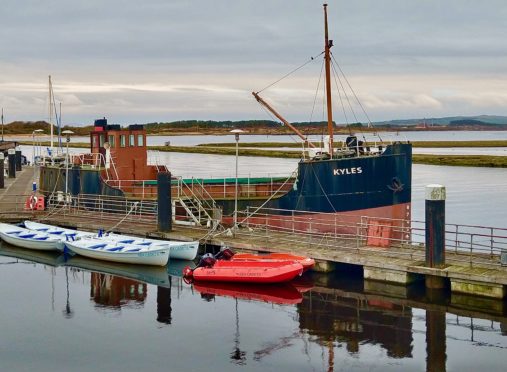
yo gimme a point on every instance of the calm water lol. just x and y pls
(61, 316)
(73, 318)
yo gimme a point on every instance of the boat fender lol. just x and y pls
(187, 272)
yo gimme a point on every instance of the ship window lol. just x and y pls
(111, 141)
(132, 140)
(101, 140)
(122, 140)
(140, 140)
(95, 141)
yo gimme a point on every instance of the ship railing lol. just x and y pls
(154, 159)
(114, 208)
(200, 195)
(102, 207)
(248, 186)
(95, 161)
(464, 244)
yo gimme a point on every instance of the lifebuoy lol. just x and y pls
(33, 202)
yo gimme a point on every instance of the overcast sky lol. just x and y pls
(165, 60)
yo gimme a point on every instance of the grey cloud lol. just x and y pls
(211, 54)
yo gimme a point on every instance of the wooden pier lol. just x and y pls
(471, 272)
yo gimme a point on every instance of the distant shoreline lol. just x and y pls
(487, 161)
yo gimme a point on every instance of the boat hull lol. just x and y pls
(9, 234)
(178, 250)
(306, 262)
(367, 185)
(157, 257)
(249, 272)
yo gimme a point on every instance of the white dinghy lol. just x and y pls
(178, 250)
(25, 238)
(57, 230)
(103, 249)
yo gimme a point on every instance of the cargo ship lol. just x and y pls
(332, 189)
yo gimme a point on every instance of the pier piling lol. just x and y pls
(435, 232)
(11, 154)
(17, 158)
(164, 201)
(2, 181)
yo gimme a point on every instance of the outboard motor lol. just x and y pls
(224, 254)
(207, 260)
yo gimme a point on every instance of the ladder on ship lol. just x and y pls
(192, 209)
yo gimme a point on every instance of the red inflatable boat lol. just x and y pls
(307, 262)
(245, 271)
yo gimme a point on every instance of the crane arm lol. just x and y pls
(285, 122)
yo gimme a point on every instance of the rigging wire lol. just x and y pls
(370, 124)
(291, 72)
(341, 99)
(317, 91)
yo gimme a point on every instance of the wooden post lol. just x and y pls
(435, 233)
(17, 156)
(435, 226)
(12, 163)
(2, 181)
(164, 201)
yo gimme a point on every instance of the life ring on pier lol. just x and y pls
(31, 202)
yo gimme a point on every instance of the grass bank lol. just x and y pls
(421, 144)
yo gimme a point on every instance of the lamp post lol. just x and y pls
(67, 134)
(235, 217)
(2, 124)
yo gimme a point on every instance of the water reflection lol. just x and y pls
(114, 292)
(351, 318)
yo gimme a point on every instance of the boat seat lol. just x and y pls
(97, 246)
(133, 250)
(56, 232)
(115, 249)
(127, 241)
(41, 238)
(14, 232)
(42, 229)
(144, 243)
(27, 236)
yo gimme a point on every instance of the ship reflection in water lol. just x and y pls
(114, 292)
(330, 322)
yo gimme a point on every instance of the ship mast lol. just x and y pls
(51, 110)
(327, 58)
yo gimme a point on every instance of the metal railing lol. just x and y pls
(470, 244)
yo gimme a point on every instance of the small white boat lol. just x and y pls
(57, 230)
(25, 238)
(104, 249)
(178, 250)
